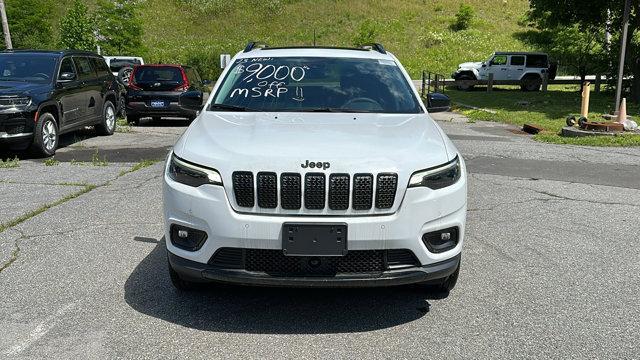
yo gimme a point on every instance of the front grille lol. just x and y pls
(290, 191)
(267, 190)
(362, 191)
(274, 262)
(339, 191)
(12, 125)
(338, 194)
(386, 185)
(314, 190)
(243, 188)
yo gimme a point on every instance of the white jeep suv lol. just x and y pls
(518, 68)
(314, 167)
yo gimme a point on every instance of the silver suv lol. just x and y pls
(519, 68)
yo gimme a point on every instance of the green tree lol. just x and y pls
(77, 29)
(28, 23)
(119, 29)
(588, 15)
(463, 19)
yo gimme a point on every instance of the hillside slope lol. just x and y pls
(417, 31)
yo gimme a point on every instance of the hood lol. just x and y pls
(470, 65)
(22, 88)
(283, 142)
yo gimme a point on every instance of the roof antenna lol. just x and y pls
(314, 37)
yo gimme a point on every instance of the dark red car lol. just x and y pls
(154, 91)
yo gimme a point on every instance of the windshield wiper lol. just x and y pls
(229, 107)
(335, 110)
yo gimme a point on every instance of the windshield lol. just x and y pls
(316, 84)
(27, 67)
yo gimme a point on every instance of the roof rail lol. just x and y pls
(254, 44)
(374, 46)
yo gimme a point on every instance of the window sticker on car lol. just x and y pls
(268, 80)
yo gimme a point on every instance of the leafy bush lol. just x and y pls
(206, 62)
(463, 19)
(431, 39)
(77, 28)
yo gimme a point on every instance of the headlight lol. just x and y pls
(9, 102)
(190, 174)
(438, 177)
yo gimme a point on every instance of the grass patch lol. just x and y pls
(9, 163)
(51, 162)
(141, 165)
(548, 110)
(97, 161)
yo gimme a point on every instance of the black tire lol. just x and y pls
(107, 124)
(45, 137)
(180, 283)
(133, 120)
(531, 83)
(465, 82)
(123, 108)
(124, 74)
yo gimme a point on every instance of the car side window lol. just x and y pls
(85, 70)
(101, 67)
(66, 67)
(499, 60)
(517, 60)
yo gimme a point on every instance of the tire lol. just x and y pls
(531, 83)
(465, 82)
(124, 74)
(133, 120)
(107, 124)
(45, 138)
(180, 283)
(123, 109)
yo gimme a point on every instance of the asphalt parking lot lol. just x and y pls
(550, 266)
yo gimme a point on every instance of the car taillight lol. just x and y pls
(185, 82)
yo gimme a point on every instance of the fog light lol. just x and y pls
(186, 238)
(441, 240)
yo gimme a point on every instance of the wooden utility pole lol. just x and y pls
(623, 50)
(5, 27)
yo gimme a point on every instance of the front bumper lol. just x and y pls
(17, 126)
(207, 208)
(199, 272)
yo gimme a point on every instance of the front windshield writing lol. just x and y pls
(311, 84)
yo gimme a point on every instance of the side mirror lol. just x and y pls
(67, 76)
(437, 102)
(191, 100)
(484, 64)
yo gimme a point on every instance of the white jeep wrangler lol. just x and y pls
(524, 68)
(314, 167)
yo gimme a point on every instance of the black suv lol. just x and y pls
(154, 91)
(46, 93)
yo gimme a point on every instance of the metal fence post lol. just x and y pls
(490, 83)
(422, 88)
(545, 81)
